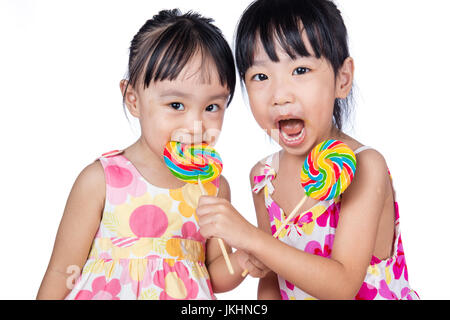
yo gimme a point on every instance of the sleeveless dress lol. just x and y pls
(314, 232)
(148, 245)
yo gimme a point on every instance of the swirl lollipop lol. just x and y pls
(193, 163)
(326, 173)
(328, 170)
(196, 163)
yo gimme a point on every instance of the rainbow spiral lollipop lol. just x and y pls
(192, 162)
(326, 173)
(328, 170)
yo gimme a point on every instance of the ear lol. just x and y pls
(129, 97)
(344, 79)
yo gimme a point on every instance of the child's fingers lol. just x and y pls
(257, 263)
(242, 258)
(209, 221)
(208, 209)
(213, 207)
(206, 200)
(255, 268)
(203, 209)
(205, 218)
(254, 271)
(207, 231)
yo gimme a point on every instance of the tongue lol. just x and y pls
(291, 127)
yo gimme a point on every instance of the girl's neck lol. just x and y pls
(139, 152)
(150, 165)
(334, 133)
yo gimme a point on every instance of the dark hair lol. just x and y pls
(166, 43)
(281, 21)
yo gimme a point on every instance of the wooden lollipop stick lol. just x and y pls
(291, 215)
(221, 244)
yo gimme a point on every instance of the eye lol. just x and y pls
(260, 77)
(212, 108)
(177, 106)
(300, 70)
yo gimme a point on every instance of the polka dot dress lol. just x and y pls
(148, 245)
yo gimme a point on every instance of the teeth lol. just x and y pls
(293, 139)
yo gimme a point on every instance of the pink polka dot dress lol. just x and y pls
(313, 232)
(148, 245)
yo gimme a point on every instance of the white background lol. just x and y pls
(60, 67)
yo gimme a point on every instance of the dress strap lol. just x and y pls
(265, 179)
(361, 149)
(110, 154)
(269, 160)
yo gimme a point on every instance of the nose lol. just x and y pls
(191, 129)
(282, 93)
(196, 129)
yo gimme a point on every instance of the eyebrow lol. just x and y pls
(220, 96)
(175, 93)
(265, 61)
(259, 62)
(181, 94)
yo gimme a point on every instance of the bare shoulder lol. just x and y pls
(371, 177)
(371, 162)
(92, 173)
(89, 188)
(92, 178)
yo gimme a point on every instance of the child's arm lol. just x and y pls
(221, 279)
(76, 232)
(338, 277)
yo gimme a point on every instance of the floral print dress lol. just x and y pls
(148, 245)
(314, 232)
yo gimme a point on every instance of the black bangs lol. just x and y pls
(167, 43)
(283, 21)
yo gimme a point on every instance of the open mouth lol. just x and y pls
(292, 131)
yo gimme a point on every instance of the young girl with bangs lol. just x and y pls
(293, 58)
(129, 229)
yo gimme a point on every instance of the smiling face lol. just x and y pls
(293, 99)
(188, 109)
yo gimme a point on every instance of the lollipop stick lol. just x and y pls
(291, 215)
(221, 244)
(202, 188)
